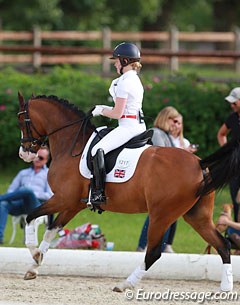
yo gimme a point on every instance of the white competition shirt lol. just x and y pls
(128, 86)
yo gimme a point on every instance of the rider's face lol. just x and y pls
(117, 65)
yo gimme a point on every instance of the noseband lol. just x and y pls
(42, 139)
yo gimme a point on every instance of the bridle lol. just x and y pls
(41, 140)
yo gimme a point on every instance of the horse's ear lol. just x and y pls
(33, 95)
(21, 100)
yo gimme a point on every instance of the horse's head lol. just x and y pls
(31, 140)
(43, 116)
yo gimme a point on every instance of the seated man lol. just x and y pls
(233, 232)
(27, 191)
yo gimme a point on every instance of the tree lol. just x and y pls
(120, 15)
(225, 14)
(22, 15)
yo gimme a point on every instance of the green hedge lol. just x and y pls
(201, 103)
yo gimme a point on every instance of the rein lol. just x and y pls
(42, 139)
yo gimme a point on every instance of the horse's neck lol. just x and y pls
(62, 135)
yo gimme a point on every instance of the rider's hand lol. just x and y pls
(97, 110)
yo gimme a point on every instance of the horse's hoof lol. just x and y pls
(123, 286)
(38, 257)
(30, 275)
(117, 289)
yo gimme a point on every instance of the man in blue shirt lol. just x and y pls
(27, 191)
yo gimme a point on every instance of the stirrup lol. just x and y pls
(97, 199)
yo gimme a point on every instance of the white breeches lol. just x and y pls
(127, 129)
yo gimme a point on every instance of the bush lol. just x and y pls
(201, 103)
(79, 88)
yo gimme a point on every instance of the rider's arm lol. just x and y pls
(117, 111)
(222, 134)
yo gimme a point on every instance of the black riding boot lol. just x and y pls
(98, 181)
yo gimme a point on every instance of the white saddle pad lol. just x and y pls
(125, 164)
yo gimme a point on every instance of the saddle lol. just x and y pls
(111, 157)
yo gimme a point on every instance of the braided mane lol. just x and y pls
(65, 103)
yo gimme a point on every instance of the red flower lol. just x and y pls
(148, 87)
(156, 79)
(2, 107)
(165, 100)
(9, 91)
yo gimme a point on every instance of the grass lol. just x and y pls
(122, 229)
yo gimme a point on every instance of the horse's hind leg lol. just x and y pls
(38, 253)
(200, 218)
(154, 251)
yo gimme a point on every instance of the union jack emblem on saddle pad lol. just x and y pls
(119, 173)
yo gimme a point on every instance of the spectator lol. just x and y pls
(178, 140)
(232, 124)
(224, 220)
(177, 137)
(163, 125)
(27, 191)
(233, 232)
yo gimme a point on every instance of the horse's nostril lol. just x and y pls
(23, 149)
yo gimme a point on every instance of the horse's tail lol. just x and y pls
(220, 167)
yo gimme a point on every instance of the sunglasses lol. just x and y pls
(41, 158)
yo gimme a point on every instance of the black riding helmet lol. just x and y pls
(127, 53)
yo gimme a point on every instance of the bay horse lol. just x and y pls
(168, 183)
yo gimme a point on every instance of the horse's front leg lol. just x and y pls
(37, 253)
(31, 241)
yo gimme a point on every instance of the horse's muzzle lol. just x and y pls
(27, 156)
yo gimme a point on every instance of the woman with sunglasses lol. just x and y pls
(162, 127)
(176, 135)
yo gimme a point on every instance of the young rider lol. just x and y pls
(127, 93)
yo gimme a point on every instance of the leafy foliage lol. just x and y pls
(22, 15)
(120, 15)
(201, 103)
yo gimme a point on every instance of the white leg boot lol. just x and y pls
(227, 278)
(132, 280)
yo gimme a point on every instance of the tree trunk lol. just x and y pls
(161, 23)
(225, 18)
